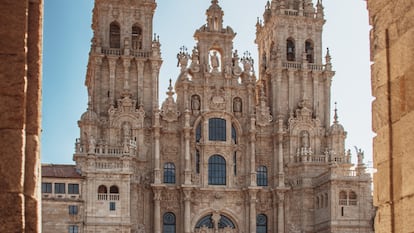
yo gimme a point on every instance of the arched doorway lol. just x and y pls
(215, 223)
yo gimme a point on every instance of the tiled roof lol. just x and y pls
(60, 171)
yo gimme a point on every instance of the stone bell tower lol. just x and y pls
(122, 82)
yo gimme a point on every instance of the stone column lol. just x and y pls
(328, 80)
(252, 194)
(127, 64)
(187, 128)
(140, 73)
(187, 211)
(155, 72)
(316, 94)
(280, 132)
(291, 77)
(253, 152)
(112, 69)
(157, 211)
(157, 172)
(281, 212)
(96, 84)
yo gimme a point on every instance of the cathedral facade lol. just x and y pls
(230, 149)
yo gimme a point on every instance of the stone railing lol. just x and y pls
(113, 52)
(291, 12)
(119, 52)
(108, 197)
(298, 66)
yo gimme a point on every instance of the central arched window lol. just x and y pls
(198, 133)
(216, 129)
(261, 223)
(216, 170)
(169, 223)
(169, 173)
(261, 176)
(208, 222)
(114, 35)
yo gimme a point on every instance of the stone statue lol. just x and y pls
(237, 105)
(214, 61)
(305, 139)
(195, 102)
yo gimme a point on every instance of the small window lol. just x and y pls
(326, 200)
(73, 188)
(290, 50)
(102, 189)
(73, 229)
(317, 203)
(114, 35)
(46, 187)
(352, 198)
(216, 170)
(73, 209)
(262, 176)
(114, 189)
(59, 187)
(343, 198)
(235, 163)
(198, 133)
(197, 161)
(261, 223)
(112, 206)
(169, 173)
(169, 223)
(233, 134)
(217, 129)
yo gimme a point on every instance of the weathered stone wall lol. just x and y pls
(392, 51)
(20, 79)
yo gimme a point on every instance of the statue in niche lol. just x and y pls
(237, 105)
(195, 103)
(305, 139)
(214, 61)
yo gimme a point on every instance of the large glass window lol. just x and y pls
(73, 188)
(169, 223)
(169, 173)
(216, 129)
(46, 187)
(216, 170)
(261, 176)
(261, 223)
(59, 187)
(112, 206)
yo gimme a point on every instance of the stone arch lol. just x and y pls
(290, 49)
(136, 36)
(208, 213)
(309, 50)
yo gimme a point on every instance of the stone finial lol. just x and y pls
(336, 114)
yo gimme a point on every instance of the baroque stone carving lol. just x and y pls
(169, 109)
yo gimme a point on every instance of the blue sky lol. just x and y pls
(67, 36)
